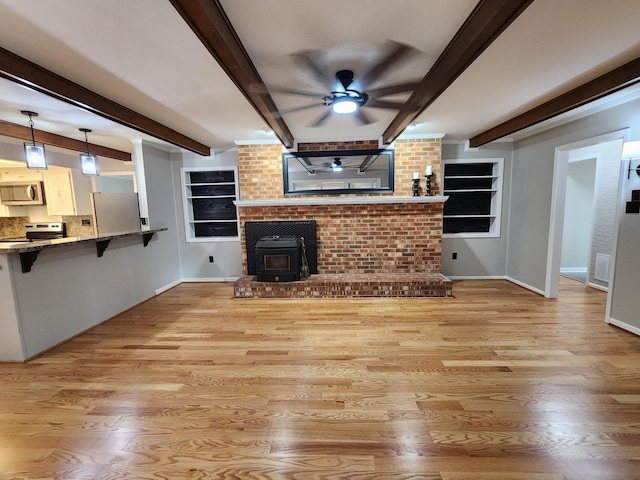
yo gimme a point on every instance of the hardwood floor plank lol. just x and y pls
(496, 383)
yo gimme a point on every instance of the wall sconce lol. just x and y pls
(88, 161)
(34, 152)
(630, 151)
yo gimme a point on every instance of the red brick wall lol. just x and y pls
(260, 166)
(366, 238)
(414, 156)
(328, 146)
(356, 238)
(260, 172)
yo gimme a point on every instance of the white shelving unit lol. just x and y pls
(474, 188)
(208, 199)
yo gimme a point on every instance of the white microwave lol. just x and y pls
(21, 193)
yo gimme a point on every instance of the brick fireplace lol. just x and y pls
(371, 245)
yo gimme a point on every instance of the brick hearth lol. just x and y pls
(348, 285)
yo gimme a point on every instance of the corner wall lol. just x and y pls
(479, 257)
(532, 182)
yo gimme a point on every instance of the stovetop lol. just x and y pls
(39, 231)
(14, 239)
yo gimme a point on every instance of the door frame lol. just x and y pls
(558, 197)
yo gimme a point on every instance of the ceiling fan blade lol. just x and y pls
(390, 105)
(298, 109)
(309, 59)
(291, 91)
(393, 89)
(394, 53)
(321, 119)
(363, 118)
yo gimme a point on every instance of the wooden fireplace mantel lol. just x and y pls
(338, 201)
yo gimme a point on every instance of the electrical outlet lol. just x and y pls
(210, 258)
(454, 255)
(86, 222)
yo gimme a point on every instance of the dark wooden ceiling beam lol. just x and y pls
(611, 82)
(31, 75)
(21, 132)
(211, 25)
(487, 21)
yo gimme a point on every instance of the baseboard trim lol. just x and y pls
(597, 287)
(524, 285)
(476, 277)
(209, 279)
(624, 326)
(568, 270)
(168, 287)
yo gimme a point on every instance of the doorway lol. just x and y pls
(577, 229)
(606, 150)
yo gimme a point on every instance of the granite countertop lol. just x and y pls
(36, 245)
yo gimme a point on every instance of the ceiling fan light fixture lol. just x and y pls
(345, 105)
(337, 165)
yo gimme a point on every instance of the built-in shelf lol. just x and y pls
(475, 190)
(208, 195)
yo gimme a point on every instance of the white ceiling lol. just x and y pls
(141, 54)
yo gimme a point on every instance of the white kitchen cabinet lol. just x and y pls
(22, 174)
(67, 192)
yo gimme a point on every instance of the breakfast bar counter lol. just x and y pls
(73, 286)
(29, 250)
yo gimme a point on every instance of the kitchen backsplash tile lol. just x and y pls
(11, 227)
(75, 228)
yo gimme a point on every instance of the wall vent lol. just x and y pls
(602, 267)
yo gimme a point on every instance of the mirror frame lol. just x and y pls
(337, 153)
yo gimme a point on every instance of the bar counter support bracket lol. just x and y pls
(27, 259)
(146, 238)
(101, 246)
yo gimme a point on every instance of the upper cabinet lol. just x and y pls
(67, 192)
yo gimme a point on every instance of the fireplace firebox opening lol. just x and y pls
(279, 258)
(305, 230)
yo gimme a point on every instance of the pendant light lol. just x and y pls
(34, 152)
(88, 161)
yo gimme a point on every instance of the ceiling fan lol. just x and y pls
(335, 166)
(345, 99)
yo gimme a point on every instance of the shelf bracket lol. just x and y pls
(146, 238)
(27, 259)
(101, 246)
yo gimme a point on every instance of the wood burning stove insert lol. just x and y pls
(303, 229)
(278, 258)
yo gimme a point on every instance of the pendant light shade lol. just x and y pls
(88, 161)
(34, 152)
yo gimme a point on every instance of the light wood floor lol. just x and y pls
(497, 383)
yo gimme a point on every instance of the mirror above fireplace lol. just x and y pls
(338, 172)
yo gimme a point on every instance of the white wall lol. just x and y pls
(194, 257)
(532, 180)
(71, 289)
(479, 257)
(158, 180)
(578, 216)
(625, 289)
